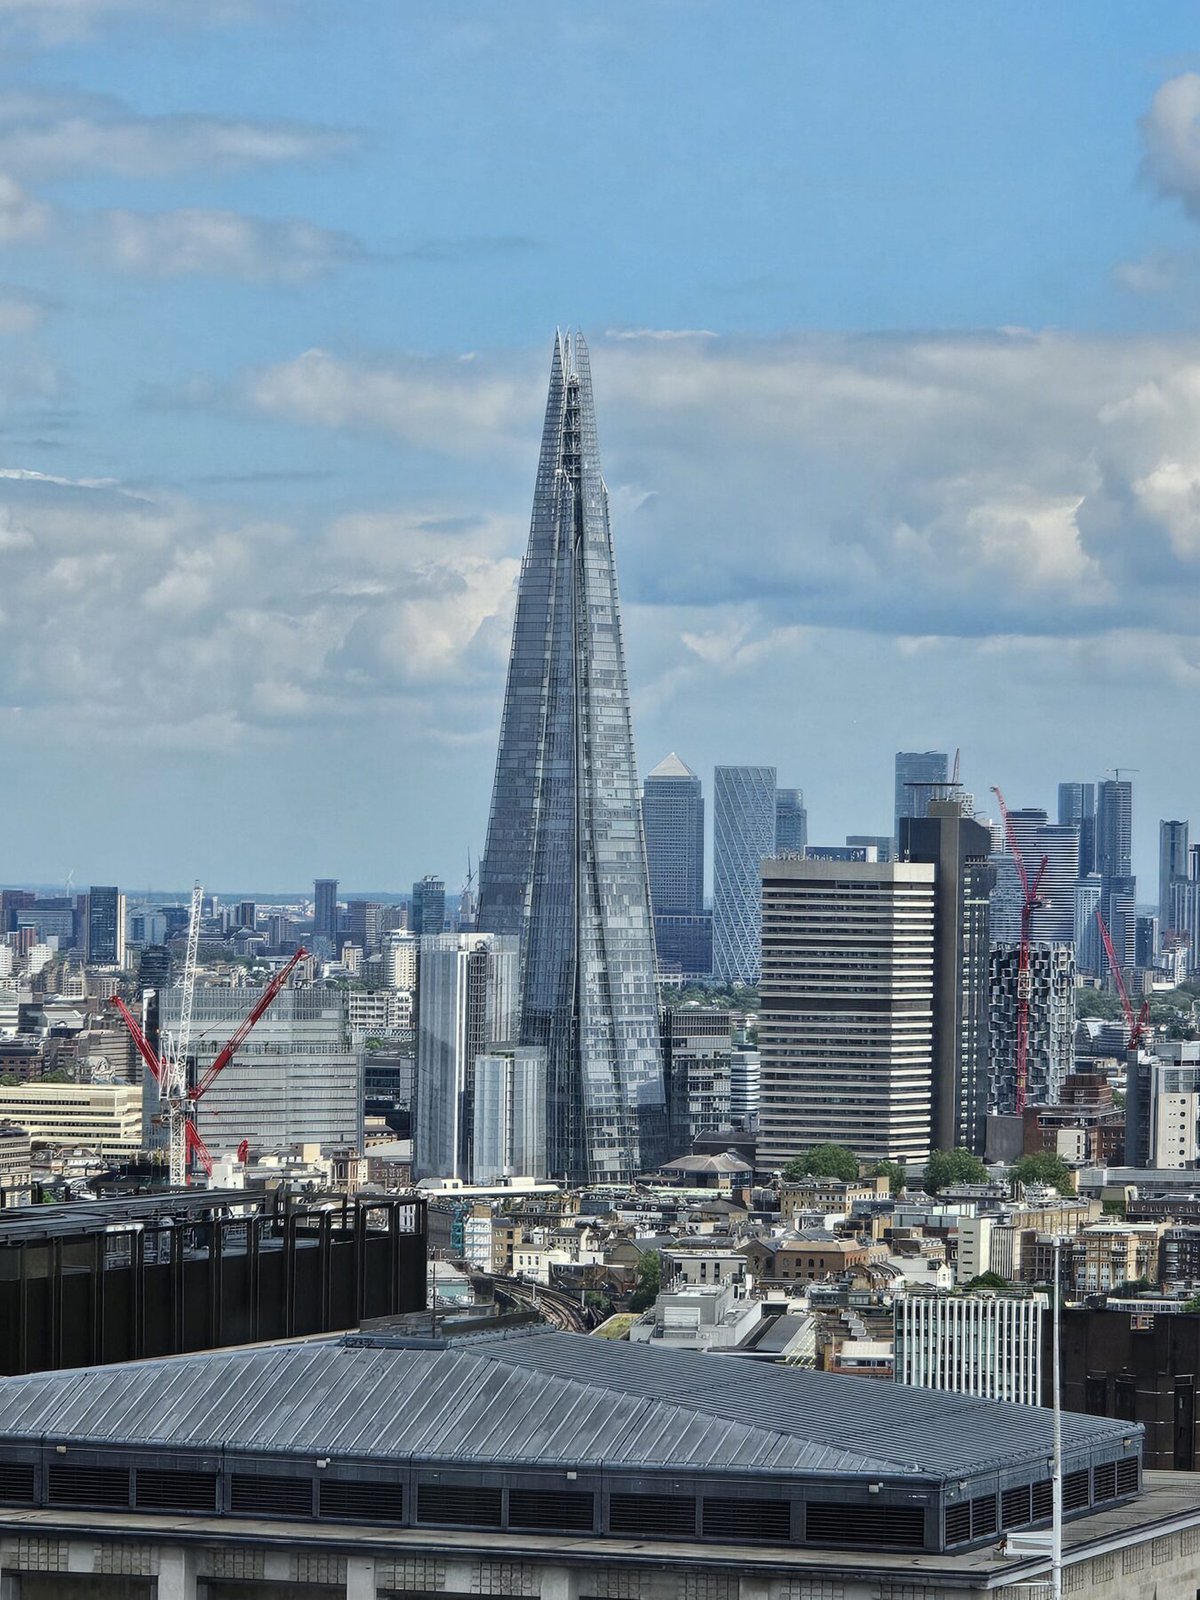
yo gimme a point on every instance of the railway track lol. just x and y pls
(552, 1305)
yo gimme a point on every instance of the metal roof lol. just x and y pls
(552, 1399)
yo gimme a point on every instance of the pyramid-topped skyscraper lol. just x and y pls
(565, 862)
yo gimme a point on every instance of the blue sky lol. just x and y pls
(895, 332)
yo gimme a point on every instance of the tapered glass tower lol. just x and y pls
(565, 862)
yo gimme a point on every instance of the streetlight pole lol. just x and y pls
(1056, 1566)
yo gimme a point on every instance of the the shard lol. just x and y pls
(565, 862)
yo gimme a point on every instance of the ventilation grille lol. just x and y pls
(1127, 1475)
(16, 1481)
(748, 1521)
(1015, 1507)
(958, 1523)
(176, 1491)
(983, 1516)
(1043, 1500)
(847, 1526)
(363, 1502)
(569, 1510)
(88, 1486)
(290, 1497)
(655, 1514)
(466, 1508)
(1104, 1481)
(1077, 1490)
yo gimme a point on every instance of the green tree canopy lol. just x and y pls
(988, 1280)
(1091, 1002)
(649, 1273)
(1045, 1167)
(945, 1168)
(896, 1175)
(823, 1161)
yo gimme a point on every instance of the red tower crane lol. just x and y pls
(1030, 901)
(1136, 1025)
(157, 1066)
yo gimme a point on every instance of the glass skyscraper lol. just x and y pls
(743, 838)
(921, 776)
(564, 867)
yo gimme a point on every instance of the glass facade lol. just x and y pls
(743, 838)
(564, 867)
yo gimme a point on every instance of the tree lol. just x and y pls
(9, 1080)
(1045, 1167)
(59, 1075)
(946, 1168)
(988, 1280)
(649, 1273)
(1131, 1286)
(823, 1161)
(896, 1175)
(1097, 1003)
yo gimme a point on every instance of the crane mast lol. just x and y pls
(1030, 901)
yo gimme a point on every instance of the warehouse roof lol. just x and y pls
(546, 1398)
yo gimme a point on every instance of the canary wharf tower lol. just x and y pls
(565, 863)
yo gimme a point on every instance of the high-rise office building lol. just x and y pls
(366, 924)
(743, 838)
(467, 996)
(673, 819)
(509, 1115)
(246, 915)
(1089, 948)
(297, 1079)
(846, 1026)
(105, 927)
(428, 917)
(921, 776)
(1172, 867)
(325, 915)
(791, 822)
(564, 867)
(959, 850)
(1054, 921)
(697, 1053)
(1077, 805)
(1114, 863)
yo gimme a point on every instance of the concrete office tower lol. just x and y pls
(743, 838)
(104, 930)
(1172, 867)
(673, 819)
(1050, 1056)
(791, 822)
(467, 997)
(325, 915)
(921, 776)
(509, 1115)
(745, 1066)
(564, 867)
(959, 851)
(697, 1053)
(846, 1027)
(1054, 922)
(1185, 910)
(1077, 805)
(428, 907)
(1089, 948)
(297, 1079)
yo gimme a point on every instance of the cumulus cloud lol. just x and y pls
(458, 406)
(1171, 141)
(56, 134)
(217, 244)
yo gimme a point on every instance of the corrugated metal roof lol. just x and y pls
(550, 1399)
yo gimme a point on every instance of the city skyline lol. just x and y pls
(273, 343)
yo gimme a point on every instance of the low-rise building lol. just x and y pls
(805, 1257)
(106, 1118)
(988, 1345)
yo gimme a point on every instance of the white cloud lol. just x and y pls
(56, 134)
(459, 407)
(54, 22)
(1155, 274)
(1171, 140)
(22, 216)
(217, 244)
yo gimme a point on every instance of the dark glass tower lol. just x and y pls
(565, 862)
